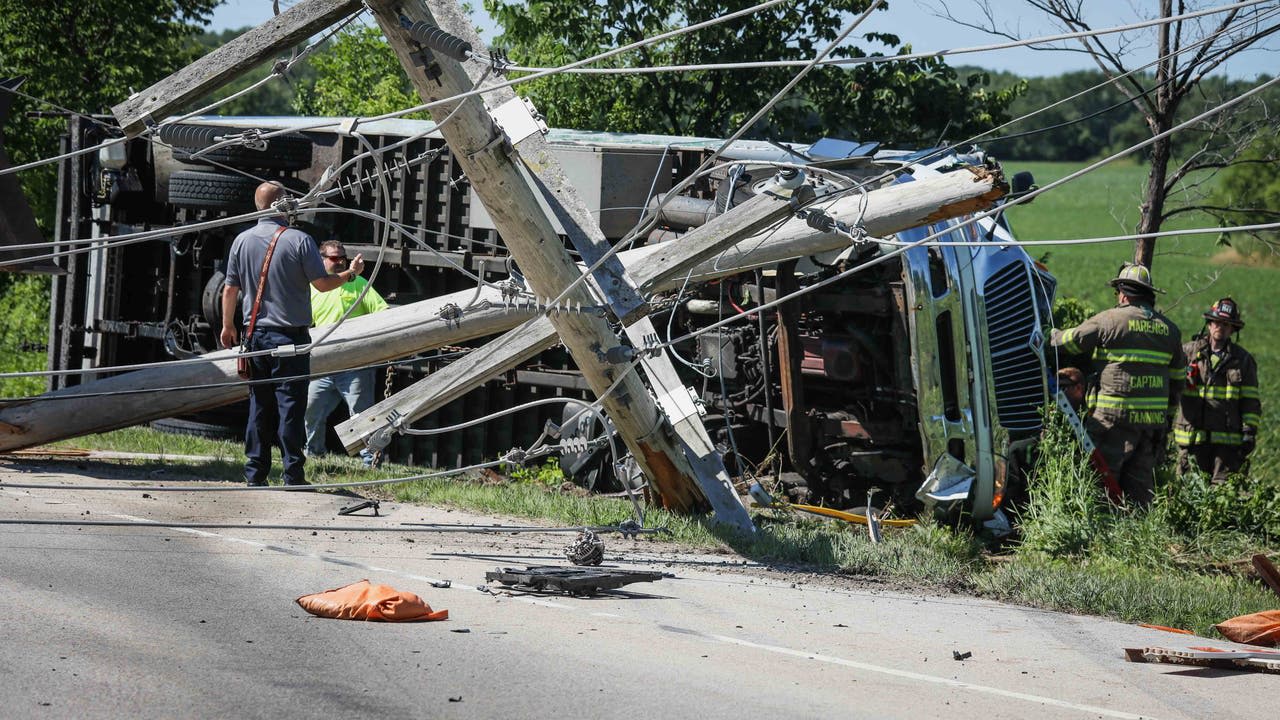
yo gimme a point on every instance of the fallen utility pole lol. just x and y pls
(387, 335)
(228, 62)
(486, 154)
(883, 212)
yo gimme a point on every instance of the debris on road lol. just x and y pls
(570, 581)
(357, 507)
(586, 549)
(957, 655)
(366, 601)
(1267, 661)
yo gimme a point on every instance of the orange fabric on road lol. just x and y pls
(1261, 628)
(365, 601)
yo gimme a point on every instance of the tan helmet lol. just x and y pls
(1225, 311)
(1135, 276)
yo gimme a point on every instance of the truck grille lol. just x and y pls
(1015, 363)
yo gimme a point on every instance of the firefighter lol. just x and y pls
(1136, 369)
(1218, 417)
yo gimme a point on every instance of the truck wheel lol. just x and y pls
(212, 431)
(217, 191)
(283, 152)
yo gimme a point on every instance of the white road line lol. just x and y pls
(921, 677)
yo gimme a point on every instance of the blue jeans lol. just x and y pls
(354, 386)
(276, 408)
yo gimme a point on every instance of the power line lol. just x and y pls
(876, 59)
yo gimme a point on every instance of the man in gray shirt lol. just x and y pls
(278, 407)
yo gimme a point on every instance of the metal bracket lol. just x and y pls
(519, 119)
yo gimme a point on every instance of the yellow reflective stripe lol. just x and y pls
(1188, 436)
(1177, 373)
(1250, 392)
(1217, 392)
(1225, 438)
(1119, 402)
(1069, 342)
(1251, 419)
(1134, 355)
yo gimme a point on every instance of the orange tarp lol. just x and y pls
(1262, 628)
(364, 601)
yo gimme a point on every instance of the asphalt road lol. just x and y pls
(183, 622)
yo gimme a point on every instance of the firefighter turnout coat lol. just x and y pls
(1138, 367)
(1221, 398)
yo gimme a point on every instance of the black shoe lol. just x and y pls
(259, 483)
(297, 483)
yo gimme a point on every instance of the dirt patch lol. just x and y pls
(1232, 256)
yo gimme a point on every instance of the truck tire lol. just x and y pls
(211, 431)
(284, 152)
(217, 191)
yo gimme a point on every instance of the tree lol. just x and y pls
(1185, 52)
(1249, 194)
(914, 102)
(84, 55)
(358, 74)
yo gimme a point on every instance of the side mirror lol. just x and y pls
(1021, 184)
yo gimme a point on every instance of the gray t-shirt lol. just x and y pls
(286, 301)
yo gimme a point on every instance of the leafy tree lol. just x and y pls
(84, 55)
(357, 75)
(1184, 53)
(1249, 194)
(913, 102)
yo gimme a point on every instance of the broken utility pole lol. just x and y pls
(226, 63)
(486, 153)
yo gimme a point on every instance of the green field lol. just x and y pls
(1193, 270)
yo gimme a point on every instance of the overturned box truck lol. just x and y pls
(923, 374)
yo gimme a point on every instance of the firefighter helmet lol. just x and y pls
(1134, 277)
(1225, 311)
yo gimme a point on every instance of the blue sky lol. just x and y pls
(915, 23)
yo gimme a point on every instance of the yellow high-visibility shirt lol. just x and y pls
(327, 307)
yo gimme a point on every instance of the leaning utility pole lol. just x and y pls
(511, 169)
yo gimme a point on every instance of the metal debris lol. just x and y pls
(568, 580)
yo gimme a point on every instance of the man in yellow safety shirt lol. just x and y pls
(355, 386)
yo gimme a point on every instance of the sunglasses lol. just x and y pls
(335, 258)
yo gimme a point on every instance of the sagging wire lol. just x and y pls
(742, 130)
(841, 62)
(707, 371)
(279, 70)
(625, 528)
(569, 67)
(983, 136)
(843, 179)
(988, 213)
(578, 63)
